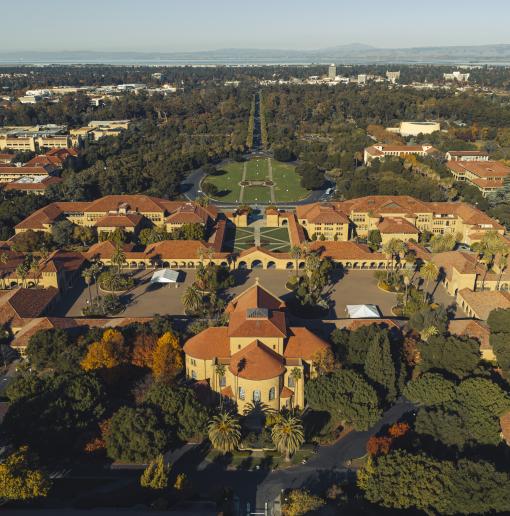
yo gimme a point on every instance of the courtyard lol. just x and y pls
(146, 300)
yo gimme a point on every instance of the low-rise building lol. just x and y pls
(382, 150)
(366, 214)
(469, 155)
(128, 212)
(415, 128)
(19, 306)
(32, 185)
(487, 176)
(35, 173)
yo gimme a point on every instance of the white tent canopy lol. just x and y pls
(165, 276)
(363, 311)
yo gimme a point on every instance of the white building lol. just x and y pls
(472, 155)
(393, 77)
(456, 76)
(415, 128)
(332, 71)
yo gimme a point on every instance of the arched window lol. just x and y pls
(271, 394)
(241, 393)
(256, 395)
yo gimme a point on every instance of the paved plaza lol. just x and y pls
(146, 300)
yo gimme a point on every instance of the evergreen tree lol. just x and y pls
(380, 367)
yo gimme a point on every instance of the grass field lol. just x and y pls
(237, 239)
(275, 239)
(287, 183)
(286, 180)
(257, 169)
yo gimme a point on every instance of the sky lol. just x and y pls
(190, 25)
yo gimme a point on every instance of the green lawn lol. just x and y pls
(237, 239)
(257, 169)
(257, 194)
(275, 239)
(228, 181)
(287, 182)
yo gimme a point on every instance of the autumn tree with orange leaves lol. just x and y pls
(381, 445)
(168, 358)
(144, 346)
(107, 353)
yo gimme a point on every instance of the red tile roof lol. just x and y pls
(303, 344)
(256, 362)
(208, 344)
(395, 225)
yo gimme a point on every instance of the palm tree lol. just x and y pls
(502, 266)
(192, 299)
(429, 272)
(288, 436)
(118, 257)
(296, 375)
(312, 263)
(296, 253)
(219, 369)
(224, 432)
(407, 276)
(428, 332)
(22, 273)
(86, 274)
(4, 258)
(95, 270)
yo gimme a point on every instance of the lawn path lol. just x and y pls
(241, 193)
(270, 173)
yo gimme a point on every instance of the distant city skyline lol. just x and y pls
(171, 26)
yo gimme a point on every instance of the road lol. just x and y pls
(329, 463)
(258, 487)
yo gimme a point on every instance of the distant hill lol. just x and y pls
(355, 53)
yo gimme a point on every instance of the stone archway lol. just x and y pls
(256, 264)
(271, 265)
(289, 265)
(242, 265)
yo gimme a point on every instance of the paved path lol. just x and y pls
(329, 463)
(241, 192)
(270, 175)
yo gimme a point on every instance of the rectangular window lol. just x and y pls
(223, 381)
(241, 393)
(194, 375)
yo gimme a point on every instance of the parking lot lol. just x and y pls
(145, 300)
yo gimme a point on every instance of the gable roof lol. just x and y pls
(256, 362)
(255, 296)
(22, 303)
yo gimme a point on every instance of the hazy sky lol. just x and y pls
(171, 25)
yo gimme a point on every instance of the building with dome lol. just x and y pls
(257, 357)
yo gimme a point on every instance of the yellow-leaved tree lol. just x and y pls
(106, 353)
(19, 481)
(168, 359)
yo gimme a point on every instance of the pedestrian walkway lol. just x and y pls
(270, 174)
(241, 193)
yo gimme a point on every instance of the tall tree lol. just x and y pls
(287, 435)
(380, 367)
(225, 432)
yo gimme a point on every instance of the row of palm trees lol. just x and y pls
(287, 434)
(91, 274)
(30, 265)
